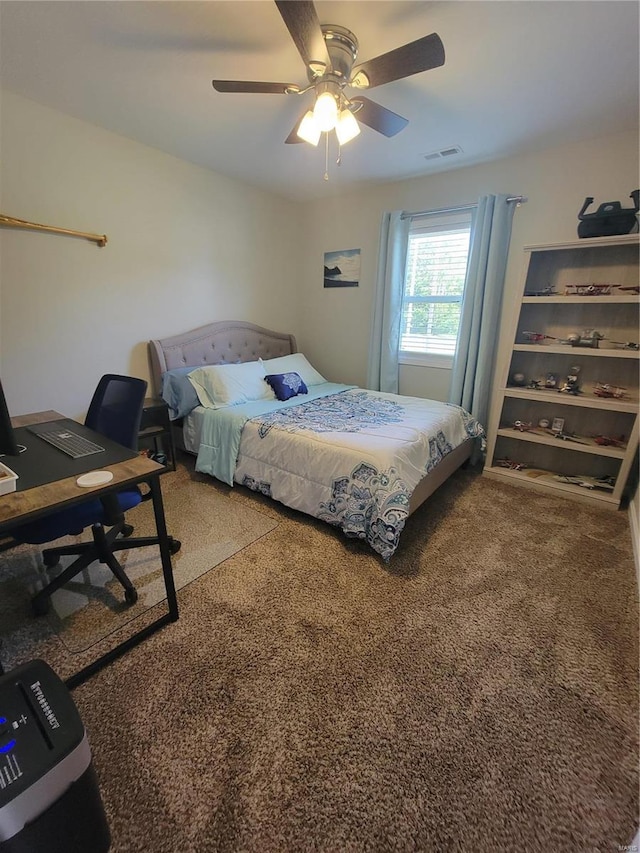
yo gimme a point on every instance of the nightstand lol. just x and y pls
(155, 430)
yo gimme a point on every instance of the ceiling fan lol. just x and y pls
(329, 53)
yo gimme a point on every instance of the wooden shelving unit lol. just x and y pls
(577, 466)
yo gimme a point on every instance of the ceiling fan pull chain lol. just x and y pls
(326, 157)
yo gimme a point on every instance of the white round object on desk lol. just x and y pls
(94, 478)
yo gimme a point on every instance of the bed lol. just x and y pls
(360, 460)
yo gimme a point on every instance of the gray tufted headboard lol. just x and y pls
(226, 342)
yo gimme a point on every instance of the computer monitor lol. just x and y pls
(8, 444)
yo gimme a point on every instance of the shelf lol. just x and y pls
(578, 352)
(587, 401)
(559, 299)
(588, 243)
(544, 480)
(555, 271)
(590, 445)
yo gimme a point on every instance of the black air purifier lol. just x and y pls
(49, 796)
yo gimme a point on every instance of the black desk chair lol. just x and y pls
(115, 412)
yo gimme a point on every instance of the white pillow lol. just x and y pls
(294, 363)
(220, 385)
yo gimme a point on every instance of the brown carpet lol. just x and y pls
(480, 693)
(91, 607)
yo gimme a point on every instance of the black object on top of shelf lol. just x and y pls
(609, 219)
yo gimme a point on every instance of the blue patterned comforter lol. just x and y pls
(351, 458)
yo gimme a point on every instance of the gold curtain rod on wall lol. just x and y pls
(12, 222)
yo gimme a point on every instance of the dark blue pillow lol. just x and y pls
(286, 385)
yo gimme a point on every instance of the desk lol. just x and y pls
(25, 505)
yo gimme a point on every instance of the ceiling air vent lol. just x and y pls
(443, 152)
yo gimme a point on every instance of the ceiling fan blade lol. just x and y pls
(261, 88)
(302, 22)
(378, 117)
(420, 55)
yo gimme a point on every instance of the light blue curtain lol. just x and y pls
(481, 306)
(383, 371)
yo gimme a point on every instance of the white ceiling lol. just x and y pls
(518, 76)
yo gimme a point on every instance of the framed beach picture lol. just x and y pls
(342, 269)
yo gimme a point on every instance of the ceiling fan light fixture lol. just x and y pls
(325, 111)
(309, 130)
(347, 128)
(329, 53)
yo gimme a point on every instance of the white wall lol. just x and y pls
(185, 247)
(188, 246)
(336, 321)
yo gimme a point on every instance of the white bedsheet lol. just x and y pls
(351, 458)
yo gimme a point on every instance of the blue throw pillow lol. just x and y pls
(286, 385)
(178, 393)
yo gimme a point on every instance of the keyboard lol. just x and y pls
(64, 439)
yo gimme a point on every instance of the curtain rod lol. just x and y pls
(12, 222)
(518, 199)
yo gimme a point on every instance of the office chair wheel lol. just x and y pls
(127, 530)
(175, 546)
(50, 560)
(131, 595)
(41, 606)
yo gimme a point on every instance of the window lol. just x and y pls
(434, 284)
